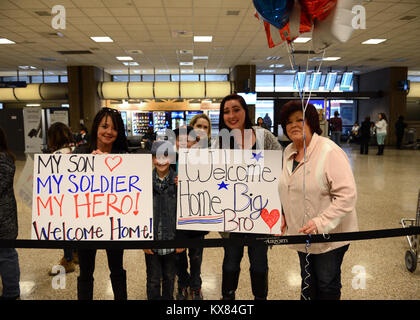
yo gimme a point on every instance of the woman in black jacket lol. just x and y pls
(108, 136)
(9, 262)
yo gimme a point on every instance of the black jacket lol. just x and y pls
(8, 209)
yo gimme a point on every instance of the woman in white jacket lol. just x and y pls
(381, 130)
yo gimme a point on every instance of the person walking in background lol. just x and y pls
(400, 126)
(365, 136)
(327, 205)
(261, 123)
(267, 121)
(108, 136)
(381, 131)
(9, 260)
(235, 123)
(60, 141)
(336, 128)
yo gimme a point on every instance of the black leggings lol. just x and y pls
(87, 262)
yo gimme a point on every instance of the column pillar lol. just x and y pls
(393, 102)
(84, 100)
(243, 77)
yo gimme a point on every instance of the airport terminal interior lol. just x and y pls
(162, 62)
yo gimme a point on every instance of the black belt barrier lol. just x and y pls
(246, 240)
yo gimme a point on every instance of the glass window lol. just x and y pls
(213, 77)
(10, 79)
(189, 77)
(163, 77)
(264, 83)
(414, 78)
(148, 77)
(120, 78)
(36, 79)
(284, 82)
(64, 79)
(51, 79)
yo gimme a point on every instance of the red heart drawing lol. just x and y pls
(114, 162)
(270, 218)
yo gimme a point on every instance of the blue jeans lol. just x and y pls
(157, 267)
(192, 279)
(233, 256)
(380, 138)
(336, 137)
(10, 272)
(325, 274)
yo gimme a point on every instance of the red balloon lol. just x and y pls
(318, 9)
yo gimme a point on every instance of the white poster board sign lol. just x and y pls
(92, 197)
(229, 190)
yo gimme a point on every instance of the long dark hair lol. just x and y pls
(59, 136)
(222, 124)
(383, 116)
(120, 144)
(3, 145)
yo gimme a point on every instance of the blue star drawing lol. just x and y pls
(222, 185)
(257, 156)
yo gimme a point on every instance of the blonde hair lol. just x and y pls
(201, 116)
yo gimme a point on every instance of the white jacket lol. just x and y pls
(381, 126)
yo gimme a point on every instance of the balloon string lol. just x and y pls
(308, 274)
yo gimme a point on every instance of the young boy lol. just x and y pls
(161, 263)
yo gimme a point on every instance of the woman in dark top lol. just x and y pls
(9, 262)
(234, 114)
(108, 136)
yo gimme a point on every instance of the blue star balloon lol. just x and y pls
(275, 12)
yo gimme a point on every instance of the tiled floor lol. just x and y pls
(387, 191)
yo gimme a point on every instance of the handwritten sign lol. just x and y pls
(92, 197)
(229, 190)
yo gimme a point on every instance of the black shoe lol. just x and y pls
(196, 294)
(182, 294)
(259, 284)
(84, 289)
(229, 284)
(119, 286)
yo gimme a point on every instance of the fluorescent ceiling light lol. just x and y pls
(124, 58)
(289, 71)
(266, 70)
(186, 71)
(102, 39)
(27, 67)
(374, 41)
(186, 63)
(6, 41)
(211, 70)
(130, 63)
(203, 38)
(301, 40)
(276, 65)
(33, 105)
(200, 57)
